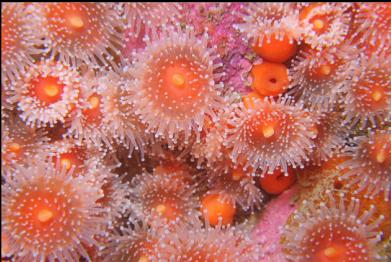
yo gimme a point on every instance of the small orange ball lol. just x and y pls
(277, 182)
(218, 206)
(269, 79)
(275, 49)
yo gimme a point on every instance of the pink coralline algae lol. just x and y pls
(218, 19)
(270, 227)
(211, 132)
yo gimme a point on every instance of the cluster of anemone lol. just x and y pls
(125, 136)
(336, 230)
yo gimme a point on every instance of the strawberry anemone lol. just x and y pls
(319, 77)
(369, 166)
(47, 94)
(266, 22)
(372, 24)
(19, 142)
(175, 85)
(148, 17)
(21, 38)
(136, 242)
(368, 97)
(120, 119)
(269, 135)
(48, 214)
(331, 231)
(82, 32)
(86, 122)
(330, 136)
(208, 244)
(167, 197)
(325, 24)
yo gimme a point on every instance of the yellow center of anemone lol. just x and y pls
(178, 80)
(318, 23)
(330, 252)
(45, 215)
(377, 95)
(94, 102)
(268, 131)
(76, 22)
(143, 259)
(66, 163)
(325, 69)
(51, 90)
(381, 156)
(161, 208)
(236, 175)
(14, 147)
(315, 131)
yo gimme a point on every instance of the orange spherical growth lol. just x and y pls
(218, 207)
(277, 182)
(269, 79)
(275, 49)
